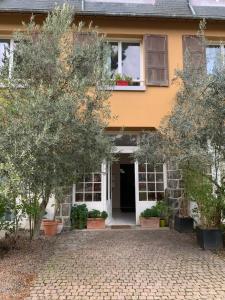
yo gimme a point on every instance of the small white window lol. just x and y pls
(214, 55)
(6, 54)
(125, 62)
(4, 51)
(89, 189)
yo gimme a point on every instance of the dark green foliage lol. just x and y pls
(161, 210)
(78, 216)
(164, 209)
(209, 205)
(94, 213)
(150, 212)
(104, 215)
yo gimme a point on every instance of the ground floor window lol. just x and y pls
(151, 182)
(89, 189)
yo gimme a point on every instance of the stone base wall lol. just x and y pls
(174, 187)
(64, 207)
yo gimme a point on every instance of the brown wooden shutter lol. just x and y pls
(194, 52)
(84, 38)
(156, 60)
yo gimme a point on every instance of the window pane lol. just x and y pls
(79, 197)
(142, 168)
(212, 56)
(151, 176)
(114, 58)
(151, 187)
(97, 197)
(142, 196)
(79, 187)
(151, 168)
(97, 187)
(88, 187)
(88, 197)
(4, 46)
(142, 186)
(159, 167)
(131, 60)
(159, 177)
(160, 187)
(88, 178)
(151, 197)
(97, 177)
(142, 177)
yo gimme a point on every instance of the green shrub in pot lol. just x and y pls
(94, 213)
(151, 212)
(78, 216)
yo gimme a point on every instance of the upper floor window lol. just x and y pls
(4, 50)
(125, 62)
(214, 55)
(6, 55)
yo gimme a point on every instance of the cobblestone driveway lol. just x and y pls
(130, 264)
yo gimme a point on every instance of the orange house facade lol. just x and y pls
(148, 40)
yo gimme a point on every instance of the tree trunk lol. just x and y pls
(38, 219)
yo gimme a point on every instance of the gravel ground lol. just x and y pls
(18, 268)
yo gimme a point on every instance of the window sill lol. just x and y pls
(129, 88)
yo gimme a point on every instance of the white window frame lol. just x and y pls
(154, 182)
(11, 48)
(221, 45)
(130, 40)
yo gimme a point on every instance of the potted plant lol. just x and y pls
(150, 218)
(50, 227)
(209, 210)
(78, 216)
(96, 219)
(122, 80)
(164, 213)
(59, 225)
(183, 223)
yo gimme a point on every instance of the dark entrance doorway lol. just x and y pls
(127, 188)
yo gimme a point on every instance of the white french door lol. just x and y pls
(150, 185)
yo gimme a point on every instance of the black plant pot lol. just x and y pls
(183, 224)
(209, 239)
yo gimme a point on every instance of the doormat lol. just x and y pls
(121, 226)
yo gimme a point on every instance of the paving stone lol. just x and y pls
(130, 265)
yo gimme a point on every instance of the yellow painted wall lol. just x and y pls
(137, 109)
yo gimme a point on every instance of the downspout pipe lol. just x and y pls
(191, 8)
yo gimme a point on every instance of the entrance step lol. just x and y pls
(121, 226)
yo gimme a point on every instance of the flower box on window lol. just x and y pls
(122, 82)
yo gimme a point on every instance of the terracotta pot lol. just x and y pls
(122, 82)
(152, 222)
(59, 226)
(50, 227)
(95, 223)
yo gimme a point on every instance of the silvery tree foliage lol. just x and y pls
(54, 106)
(193, 134)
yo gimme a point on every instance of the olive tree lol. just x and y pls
(54, 105)
(193, 134)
